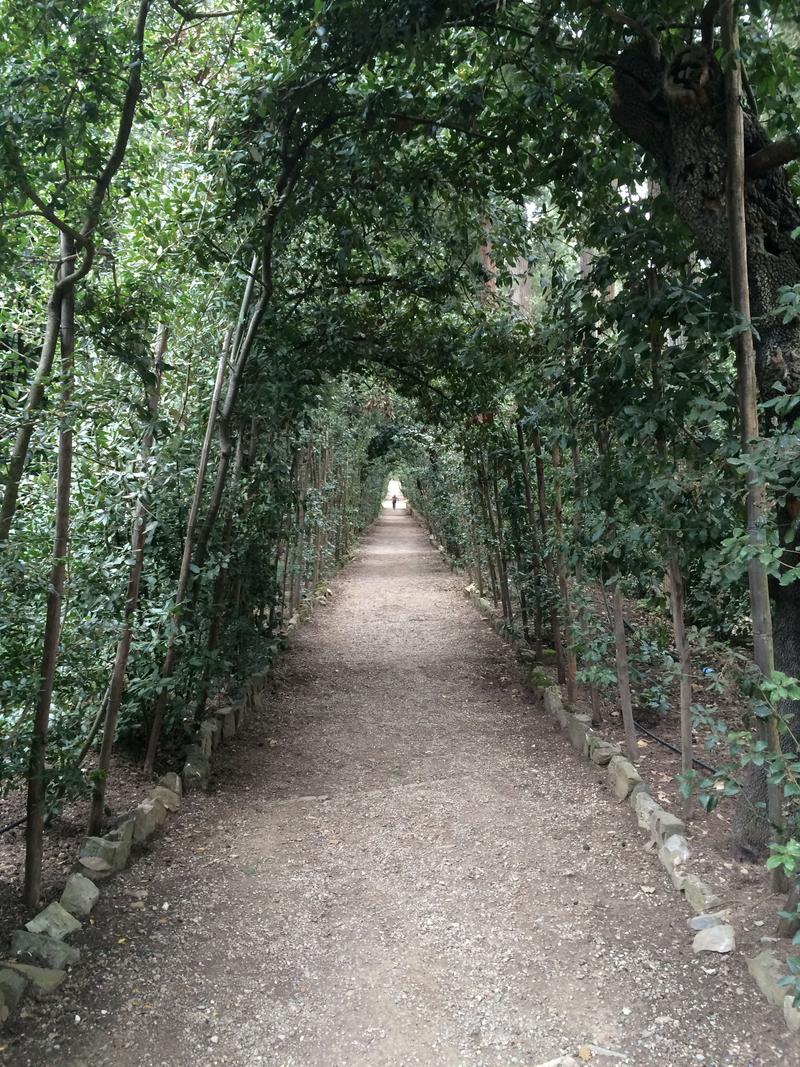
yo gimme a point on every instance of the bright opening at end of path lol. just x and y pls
(394, 498)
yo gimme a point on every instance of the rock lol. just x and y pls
(767, 972)
(196, 771)
(227, 721)
(577, 726)
(720, 938)
(240, 713)
(171, 781)
(170, 800)
(791, 1014)
(44, 949)
(538, 680)
(150, 814)
(54, 921)
(208, 735)
(527, 655)
(122, 833)
(704, 922)
(554, 705)
(121, 838)
(598, 1050)
(644, 806)
(700, 896)
(665, 824)
(673, 854)
(100, 847)
(622, 777)
(5, 1011)
(12, 987)
(484, 607)
(674, 851)
(80, 895)
(95, 868)
(43, 980)
(602, 752)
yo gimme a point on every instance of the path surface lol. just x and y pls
(406, 866)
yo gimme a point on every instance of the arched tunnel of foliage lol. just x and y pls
(255, 258)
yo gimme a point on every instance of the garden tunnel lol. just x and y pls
(254, 260)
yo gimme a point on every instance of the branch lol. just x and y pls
(772, 155)
(708, 19)
(190, 16)
(419, 120)
(132, 94)
(43, 209)
(624, 19)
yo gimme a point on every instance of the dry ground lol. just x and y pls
(404, 864)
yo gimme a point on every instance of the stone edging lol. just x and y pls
(42, 943)
(666, 832)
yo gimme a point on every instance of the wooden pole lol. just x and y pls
(184, 574)
(570, 662)
(131, 598)
(760, 609)
(34, 828)
(682, 648)
(623, 673)
(555, 622)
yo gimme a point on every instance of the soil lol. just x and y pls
(745, 886)
(402, 863)
(63, 835)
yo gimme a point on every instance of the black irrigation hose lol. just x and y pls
(13, 825)
(667, 744)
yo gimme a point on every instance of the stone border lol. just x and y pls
(712, 930)
(38, 956)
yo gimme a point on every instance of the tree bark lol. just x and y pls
(623, 674)
(184, 574)
(131, 597)
(749, 835)
(682, 648)
(555, 622)
(570, 663)
(52, 628)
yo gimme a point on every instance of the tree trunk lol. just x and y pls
(52, 628)
(67, 282)
(682, 648)
(131, 598)
(570, 663)
(184, 574)
(547, 560)
(534, 536)
(760, 611)
(623, 674)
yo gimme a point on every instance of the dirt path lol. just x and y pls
(406, 865)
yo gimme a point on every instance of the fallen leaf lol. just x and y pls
(584, 1053)
(648, 888)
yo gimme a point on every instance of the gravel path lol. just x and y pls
(404, 865)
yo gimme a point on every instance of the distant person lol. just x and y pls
(394, 503)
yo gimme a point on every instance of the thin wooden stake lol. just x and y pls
(184, 573)
(682, 647)
(623, 673)
(34, 828)
(131, 598)
(748, 391)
